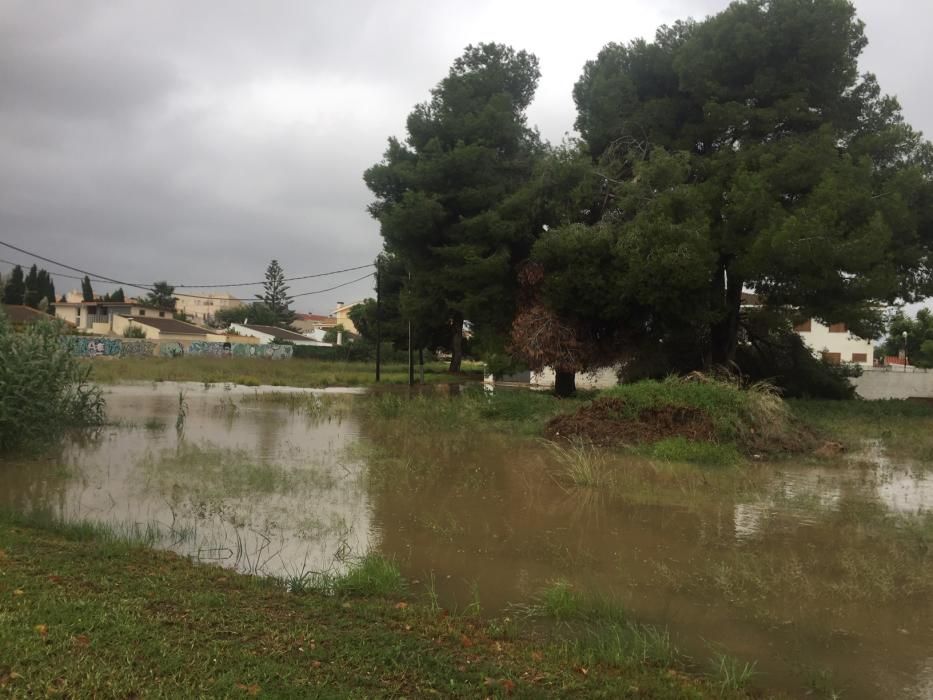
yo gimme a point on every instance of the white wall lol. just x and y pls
(894, 383)
(600, 379)
(264, 338)
(820, 339)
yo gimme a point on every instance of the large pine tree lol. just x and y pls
(439, 193)
(741, 152)
(275, 295)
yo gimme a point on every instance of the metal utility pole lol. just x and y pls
(378, 325)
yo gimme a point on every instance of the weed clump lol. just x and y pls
(679, 414)
(43, 389)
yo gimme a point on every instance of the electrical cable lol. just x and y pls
(103, 278)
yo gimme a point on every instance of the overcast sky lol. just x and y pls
(195, 141)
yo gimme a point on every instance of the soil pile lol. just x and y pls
(608, 422)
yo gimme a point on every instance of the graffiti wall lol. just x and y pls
(83, 346)
(272, 352)
(108, 347)
(170, 348)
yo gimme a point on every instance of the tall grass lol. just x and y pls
(371, 575)
(43, 389)
(581, 463)
(516, 411)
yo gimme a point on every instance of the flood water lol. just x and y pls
(820, 572)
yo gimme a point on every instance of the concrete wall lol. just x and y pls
(89, 346)
(894, 383)
(600, 379)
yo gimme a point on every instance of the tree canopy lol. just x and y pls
(257, 313)
(34, 289)
(742, 152)
(919, 337)
(162, 296)
(87, 292)
(439, 193)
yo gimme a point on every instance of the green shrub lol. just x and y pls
(679, 449)
(134, 332)
(43, 389)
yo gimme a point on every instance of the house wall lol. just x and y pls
(67, 314)
(342, 315)
(203, 310)
(820, 339)
(305, 326)
(121, 323)
(243, 331)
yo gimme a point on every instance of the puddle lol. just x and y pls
(820, 573)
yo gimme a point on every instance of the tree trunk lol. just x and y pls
(456, 344)
(565, 384)
(724, 333)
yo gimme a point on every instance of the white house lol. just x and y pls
(268, 334)
(835, 343)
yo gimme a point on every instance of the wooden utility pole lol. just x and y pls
(378, 324)
(411, 358)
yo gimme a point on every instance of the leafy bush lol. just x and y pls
(43, 389)
(134, 331)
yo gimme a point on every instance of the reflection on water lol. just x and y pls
(820, 572)
(256, 486)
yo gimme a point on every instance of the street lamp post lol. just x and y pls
(905, 349)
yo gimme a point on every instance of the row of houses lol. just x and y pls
(134, 319)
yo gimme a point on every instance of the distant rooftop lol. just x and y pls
(274, 331)
(170, 325)
(23, 314)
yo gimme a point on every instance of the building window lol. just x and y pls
(161, 314)
(833, 358)
(804, 327)
(837, 328)
(859, 357)
(142, 312)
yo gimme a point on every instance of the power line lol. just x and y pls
(103, 278)
(286, 279)
(57, 274)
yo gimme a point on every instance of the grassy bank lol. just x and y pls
(903, 428)
(255, 371)
(675, 420)
(89, 615)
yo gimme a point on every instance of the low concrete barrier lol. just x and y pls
(894, 383)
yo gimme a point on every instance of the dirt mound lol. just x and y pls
(605, 422)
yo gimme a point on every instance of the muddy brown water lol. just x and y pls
(820, 573)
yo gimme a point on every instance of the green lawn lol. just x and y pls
(255, 371)
(86, 616)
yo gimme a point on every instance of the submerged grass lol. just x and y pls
(904, 428)
(581, 463)
(84, 618)
(679, 449)
(371, 575)
(517, 411)
(208, 470)
(299, 372)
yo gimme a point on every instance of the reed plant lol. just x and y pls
(43, 390)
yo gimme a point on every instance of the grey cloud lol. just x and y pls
(194, 141)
